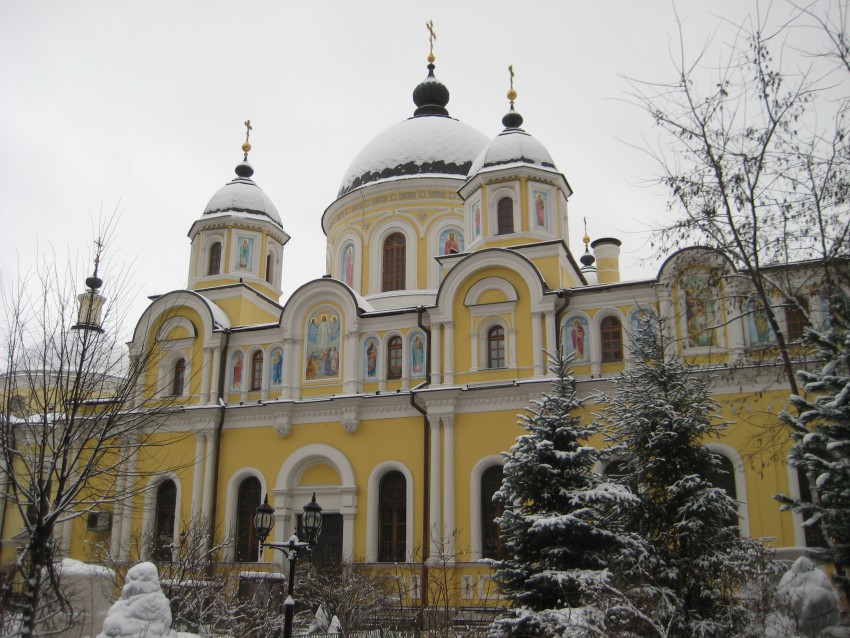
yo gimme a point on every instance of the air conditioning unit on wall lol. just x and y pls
(99, 521)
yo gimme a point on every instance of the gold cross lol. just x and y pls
(431, 37)
(511, 71)
(248, 129)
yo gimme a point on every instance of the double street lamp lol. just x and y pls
(311, 523)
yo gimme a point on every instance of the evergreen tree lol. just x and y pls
(657, 420)
(555, 522)
(821, 450)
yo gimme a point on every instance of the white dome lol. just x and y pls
(242, 196)
(512, 147)
(422, 145)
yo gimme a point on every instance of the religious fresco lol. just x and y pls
(701, 311)
(758, 326)
(276, 370)
(244, 253)
(451, 242)
(348, 258)
(541, 209)
(323, 345)
(476, 218)
(641, 319)
(417, 354)
(237, 364)
(577, 339)
(370, 358)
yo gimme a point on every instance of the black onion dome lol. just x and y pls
(242, 196)
(512, 119)
(431, 96)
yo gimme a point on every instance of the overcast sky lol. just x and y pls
(139, 106)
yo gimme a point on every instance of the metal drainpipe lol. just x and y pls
(564, 294)
(222, 411)
(426, 491)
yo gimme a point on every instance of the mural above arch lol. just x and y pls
(323, 345)
(348, 258)
(370, 358)
(237, 365)
(702, 312)
(417, 354)
(451, 241)
(577, 339)
(276, 367)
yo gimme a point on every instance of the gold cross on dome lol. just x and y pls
(511, 71)
(248, 129)
(431, 37)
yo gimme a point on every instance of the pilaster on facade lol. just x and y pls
(449, 524)
(436, 351)
(434, 510)
(537, 342)
(449, 372)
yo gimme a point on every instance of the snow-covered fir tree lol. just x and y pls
(657, 420)
(556, 527)
(821, 450)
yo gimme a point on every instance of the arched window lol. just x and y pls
(492, 545)
(395, 258)
(269, 267)
(179, 377)
(392, 507)
(166, 510)
(795, 319)
(394, 351)
(247, 502)
(214, 266)
(611, 333)
(505, 211)
(257, 371)
(722, 475)
(496, 347)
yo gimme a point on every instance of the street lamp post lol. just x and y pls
(312, 524)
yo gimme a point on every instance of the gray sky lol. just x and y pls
(139, 106)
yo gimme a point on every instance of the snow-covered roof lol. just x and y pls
(242, 195)
(422, 145)
(512, 147)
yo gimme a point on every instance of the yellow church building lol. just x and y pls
(390, 387)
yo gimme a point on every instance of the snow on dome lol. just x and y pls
(424, 145)
(512, 147)
(242, 195)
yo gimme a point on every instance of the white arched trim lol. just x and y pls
(274, 250)
(167, 365)
(175, 323)
(487, 284)
(494, 196)
(149, 511)
(248, 369)
(477, 545)
(289, 496)
(384, 360)
(233, 501)
(203, 266)
(596, 334)
(481, 342)
(731, 453)
(372, 509)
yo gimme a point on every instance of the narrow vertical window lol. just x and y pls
(166, 510)
(496, 347)
(492, 545)
(214, 265)
(505, 213)
(394, 262)
(795, 319)
(722, 475)
(247, 502)
(394, 352)
(611, 333)
(392, 499)
(269, 267)
(257, 371)
(179, 377)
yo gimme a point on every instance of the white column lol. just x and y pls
(449, 372)
(551, 340)
(205, 376)
(537, 342)
(435, 354)
(127, 509)
(349, 362)
(512, 347)
(118, 510)
(473, 365)
(197, 478)
(214, 375)
(209, 461)
(435, 528)
(449, 526)
(292, 360)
